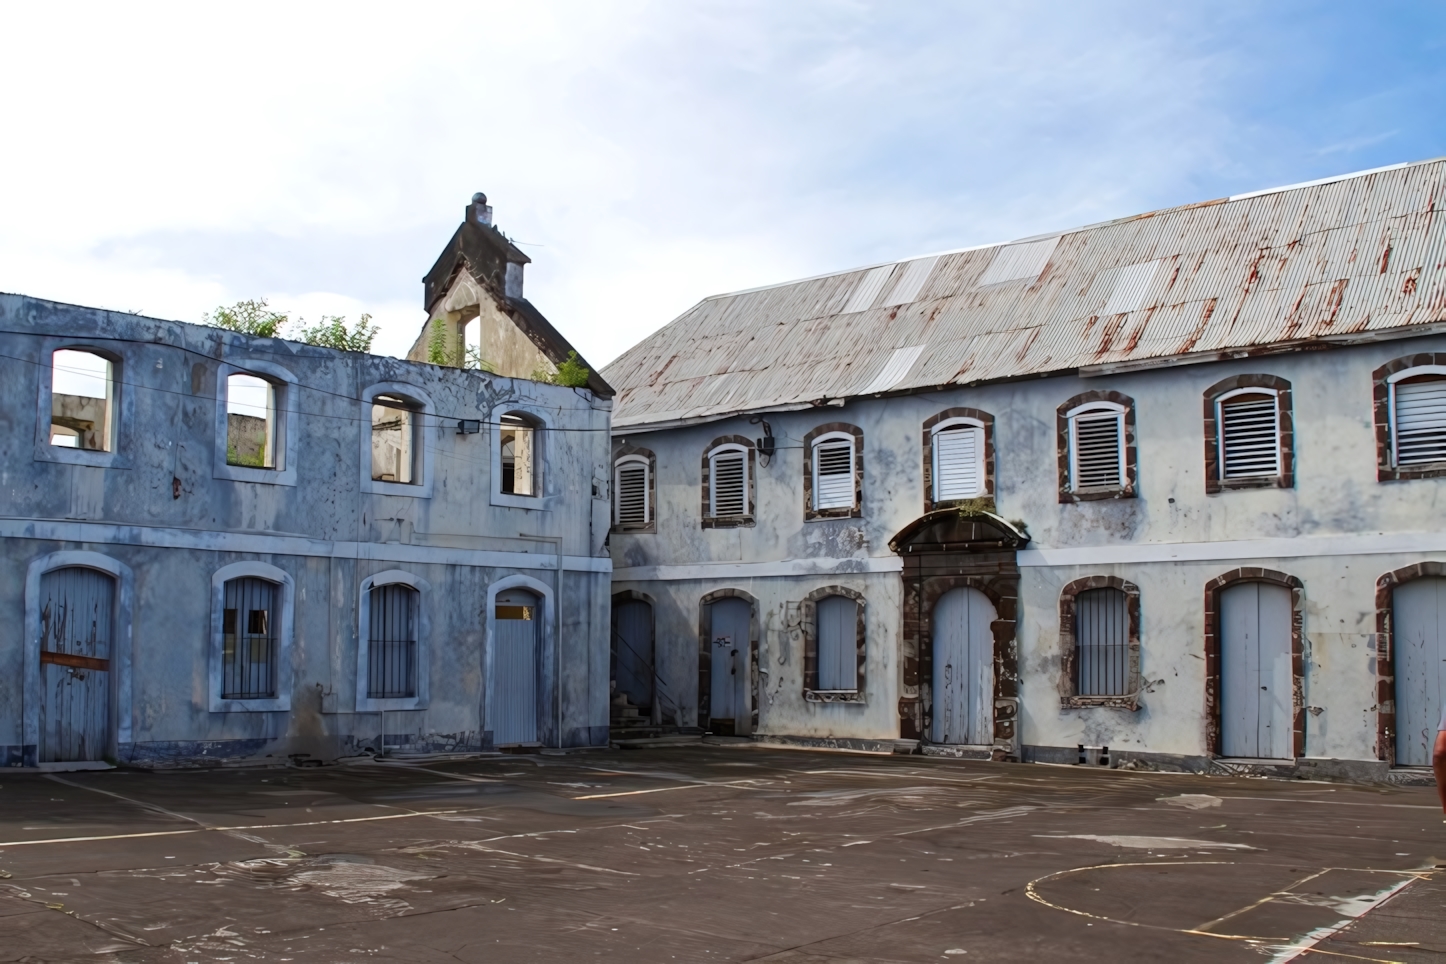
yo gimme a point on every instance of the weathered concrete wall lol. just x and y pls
(1170, 541)
(505, 349)
(162, 506)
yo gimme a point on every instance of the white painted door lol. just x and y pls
(1418, 623)
(516, 633)
(76, 607)
(1255, 671)
(633, 652)
(730, 620)
(963, 668)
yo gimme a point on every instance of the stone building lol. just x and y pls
(1168, 485)
(218, 547)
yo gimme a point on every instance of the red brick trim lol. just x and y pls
(978, 415)
(729, 521)
(809, 613)
(1061, 422)
(1286, 479)
(1386, 653)
(857, 511)
(1213, 589)
(1386, 470)
(705, 655)
(1069, 650)
(623, 450)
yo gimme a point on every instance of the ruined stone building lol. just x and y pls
(1169, 485)
(215, 546)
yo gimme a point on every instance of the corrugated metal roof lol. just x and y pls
(1340, 258)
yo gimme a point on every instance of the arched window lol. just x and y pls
(728, 483)
(82, 392)
(1096, 447)
(519, 439)
(1249, 435)
(958, 457)
(833, 467)
(249, 639)
(632, 492)
(392, 642)
(1418, 416)
(395, 440)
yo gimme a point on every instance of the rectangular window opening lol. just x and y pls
(393, 432)
(1098, 450)
(729, 496)
(248, 670)
(1420, 420)
(631, 507)
(392, 643)
(837, 618)
(1102, 643)
(833, 481)
(518, 441)
(250, 422)
(1249, 437)
(958, 454)
(81, 394)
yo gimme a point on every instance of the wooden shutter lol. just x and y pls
(1098, 449)
(1420, 421)
(833, 474)
(1249, 436)
(729, 494)
(957, 463)
(631, 505)
(837, 619)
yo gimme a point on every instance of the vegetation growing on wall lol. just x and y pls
(571, 373)
(256, 317)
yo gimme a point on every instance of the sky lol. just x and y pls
(167, 159)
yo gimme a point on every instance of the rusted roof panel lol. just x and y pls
(1334, 258)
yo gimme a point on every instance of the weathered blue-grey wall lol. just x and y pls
(161, 506)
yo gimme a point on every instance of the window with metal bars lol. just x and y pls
(1249, 428)
(728, 481)
(833, 472)
(248, 639)
(1097, 447)
(392, 642)
(1102, 643)
(1418, 419)
(632, 493)
(958, 451)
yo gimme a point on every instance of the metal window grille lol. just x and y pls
(1098, 449)
(1102, 643)
(837, 619)
(956, 463)
(631, 505)
(1249, 436)
(248, 646)
(729, 495)
(392, 643)
(833, 477)
(1420, 420)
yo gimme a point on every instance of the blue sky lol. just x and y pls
(169, 158)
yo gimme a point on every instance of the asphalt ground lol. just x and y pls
(713, 853)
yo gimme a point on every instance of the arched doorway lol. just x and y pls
(633, 670)
(727, 658)
(963, 677)
(77, 635)
(1256, 685)
(1418, 651)
(517, 638)
(944, 551)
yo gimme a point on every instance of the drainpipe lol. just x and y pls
(556, 542)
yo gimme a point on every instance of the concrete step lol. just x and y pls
(673, 739)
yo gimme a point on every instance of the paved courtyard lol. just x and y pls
(712, 853)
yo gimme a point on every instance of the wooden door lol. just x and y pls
(517, 633)
(1418, 626)
(76, 636)
(730, 620)
(633, 652)
(1255, 671)
(963, 668)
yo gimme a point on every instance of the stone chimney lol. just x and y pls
(479, 211)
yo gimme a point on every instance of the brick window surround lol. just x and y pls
(729, 521)
(1130, 487)
(1386, 470)
(1385, 653)
(1213, 589)
(705, 655)
(857, 510)
(1069, 650)
(1286, 479)
(985, 419)
(624, 450)
(809, 615)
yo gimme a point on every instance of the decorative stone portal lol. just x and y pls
(958, 549)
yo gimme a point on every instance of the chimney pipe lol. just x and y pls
(479, 210)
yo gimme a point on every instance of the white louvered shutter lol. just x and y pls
(1099, 439)
(729, 494)
(1420, 421)
(1249, 436)
(957, 461)
(631, 493)
(833, 474)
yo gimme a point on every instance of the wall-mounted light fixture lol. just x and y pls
(469, 426)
